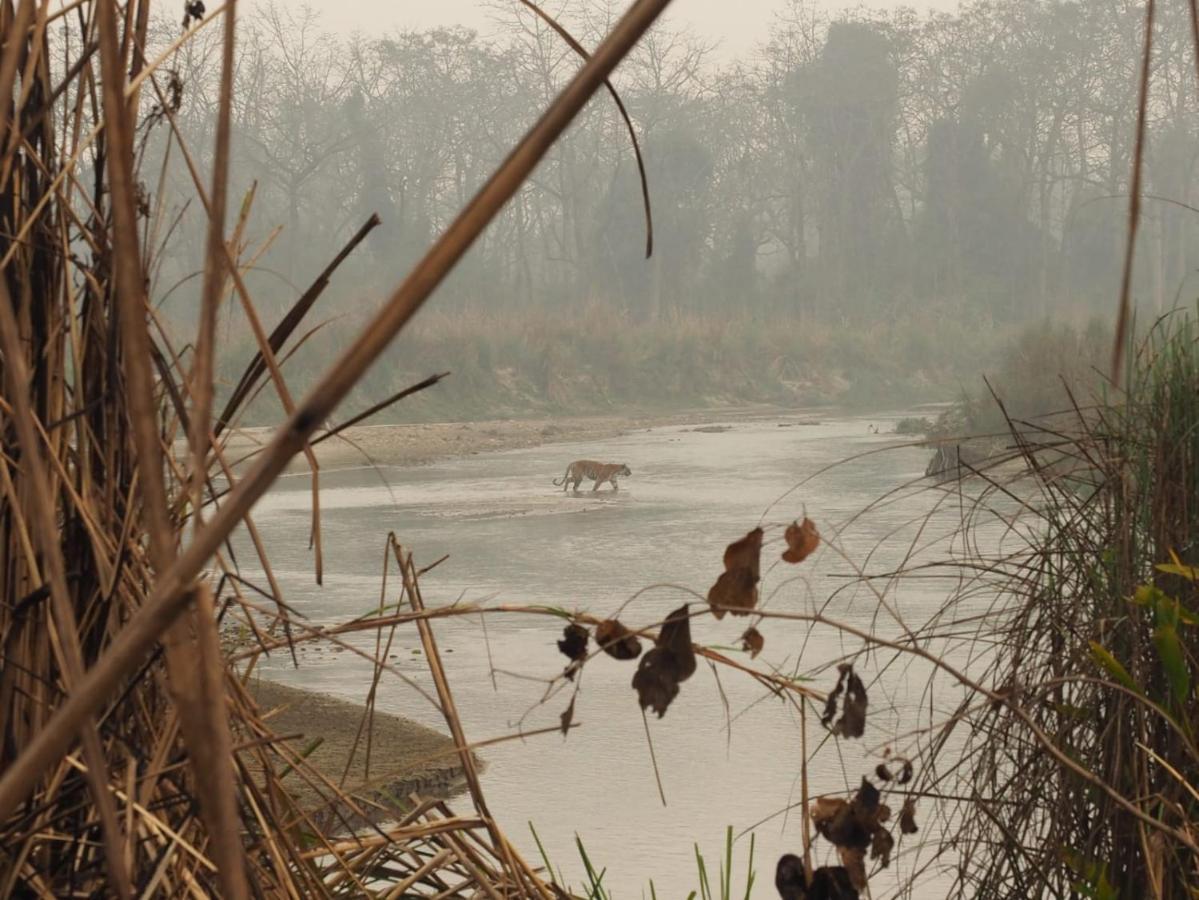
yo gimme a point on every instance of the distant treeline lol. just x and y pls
(854, 165)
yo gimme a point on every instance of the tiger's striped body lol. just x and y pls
(597, 471)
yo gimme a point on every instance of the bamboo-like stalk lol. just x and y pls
(1124, 309)
(181, 787)
(169, 598)
(203, 715)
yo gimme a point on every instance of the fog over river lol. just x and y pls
(512, 537)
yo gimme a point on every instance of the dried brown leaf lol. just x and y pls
(789, 878)
(670, 662)
(752, 642)
(616, 640)
(573, 642)
(567, 716)
(853, 715)
(853, 826)
(656, 681)
(573, 645)
(802, 540)
(675, 637)
(907, 817)
(854, 860)
(881, 845)
(192, 9)
(828, 882)
(736, 590)
(825, 809)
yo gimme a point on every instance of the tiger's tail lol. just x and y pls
(562, 480)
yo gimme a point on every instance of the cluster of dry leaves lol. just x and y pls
(671, 661)
(854, 826)
(859, 824)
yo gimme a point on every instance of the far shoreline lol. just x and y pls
(424, 443)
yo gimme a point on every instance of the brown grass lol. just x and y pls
(110, 612)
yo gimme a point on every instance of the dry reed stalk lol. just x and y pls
(182, 786)
(203, 717)
(169, 599)
(39, 506)
(1124, 310)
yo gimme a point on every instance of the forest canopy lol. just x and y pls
(874, 160)
(966, 171)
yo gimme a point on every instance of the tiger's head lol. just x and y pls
(625, 470)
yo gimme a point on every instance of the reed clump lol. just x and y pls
(133, 761)
(1079, 770)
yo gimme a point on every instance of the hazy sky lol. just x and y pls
(738, 25)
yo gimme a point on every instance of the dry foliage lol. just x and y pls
(616, 640)
(802, 540)
(852, 722)
(133, 761)
(736, 590)
(669, 663)
(752, 642)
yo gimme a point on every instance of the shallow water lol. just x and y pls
(514, 538)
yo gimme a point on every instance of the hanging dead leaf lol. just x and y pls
(882, 772)
(789, 878)
(907, 817)
(828, 882)
(825, 809)
(854, 860)
(881, 845)
(736, 590)
(868, 797)
(675, 636)
(853, 715)
(672, 661)
(752, 642)
(802, 540)
(573, 644)
(567, 716)
(193, 9)
(655, 681)
(839, 824)
(853, 826)
(906, 774)
(616, 640)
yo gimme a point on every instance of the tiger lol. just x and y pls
(589, 468)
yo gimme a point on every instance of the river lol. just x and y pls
(511, 537)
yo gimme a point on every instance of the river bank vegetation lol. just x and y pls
(863, 210)
(807, 204)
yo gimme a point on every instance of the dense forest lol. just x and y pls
(970, 170)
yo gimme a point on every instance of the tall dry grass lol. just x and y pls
(133, 760)
(1070, 767)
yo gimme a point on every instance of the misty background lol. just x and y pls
(863, 208)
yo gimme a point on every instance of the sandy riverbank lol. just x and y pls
(406, 758)
(409, 445)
